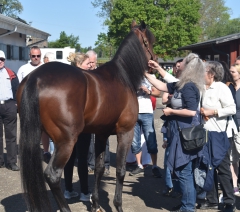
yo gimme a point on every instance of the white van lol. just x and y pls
(61, 54)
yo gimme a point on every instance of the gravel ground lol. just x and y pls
(139, 193)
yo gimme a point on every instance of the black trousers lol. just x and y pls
(91, 154)
(8, 119)
(225, 178)
(80, 152)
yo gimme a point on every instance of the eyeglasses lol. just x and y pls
(2, 59)
(36, 56)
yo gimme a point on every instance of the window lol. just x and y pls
(9, 52)
(21, 53)
(15, 52)
(59, 55)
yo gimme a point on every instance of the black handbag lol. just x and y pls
(193, 138)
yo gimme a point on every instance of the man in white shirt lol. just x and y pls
(35, 57)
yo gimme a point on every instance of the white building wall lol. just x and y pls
(13, 40)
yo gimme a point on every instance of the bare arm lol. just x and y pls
(156, 83)
(165, 98)
(156, 66)
(183, 112)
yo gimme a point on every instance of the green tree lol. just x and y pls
(173, 22)
(106, 7)
(214, 19)
(65, 41)
(104, 46)
(11, 8)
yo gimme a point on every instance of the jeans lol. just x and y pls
(144, 122)
(91, 154)
(168, 176)
(186, 182)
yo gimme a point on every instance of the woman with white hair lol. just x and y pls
(185, 101)
(218, 105)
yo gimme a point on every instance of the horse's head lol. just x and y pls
(146, 38)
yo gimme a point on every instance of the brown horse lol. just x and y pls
(64, 101)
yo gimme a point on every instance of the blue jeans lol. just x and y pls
(186, 181)
(168, 176)
(145, 122)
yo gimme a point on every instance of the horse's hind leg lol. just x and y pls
(100, 146)
(124, 142)
(53, 172)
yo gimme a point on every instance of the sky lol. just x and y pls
(76, 17)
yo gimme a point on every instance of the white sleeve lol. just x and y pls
(170, 78)
(20, 74)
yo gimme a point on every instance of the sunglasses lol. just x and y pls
(2, 59)
(33, 56)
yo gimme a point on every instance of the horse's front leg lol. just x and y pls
(100, 146)
(54, 170)
(124, 142)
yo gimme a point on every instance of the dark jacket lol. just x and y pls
(14, 82)
(213, 153)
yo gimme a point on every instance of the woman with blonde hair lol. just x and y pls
(185, 101)
(79, 60)
(80, 150)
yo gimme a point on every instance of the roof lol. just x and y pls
(10, 24)
(212, 41)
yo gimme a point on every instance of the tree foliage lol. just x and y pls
(104, 46)
(11, 8)
(173, 22)
(214, 19)
(65, 41)
(106, 7)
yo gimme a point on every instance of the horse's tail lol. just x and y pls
(32, 177)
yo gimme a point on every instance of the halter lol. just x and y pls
(145, 41)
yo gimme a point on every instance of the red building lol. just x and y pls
(225, 48)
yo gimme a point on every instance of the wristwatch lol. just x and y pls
(215, 112)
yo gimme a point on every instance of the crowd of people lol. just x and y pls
(195, 92)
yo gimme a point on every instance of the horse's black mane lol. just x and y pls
(131, 60)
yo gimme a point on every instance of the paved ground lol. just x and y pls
(139, 193)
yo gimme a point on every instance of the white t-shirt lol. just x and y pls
(144, 100)
(24, 70)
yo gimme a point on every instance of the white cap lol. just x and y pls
(2, 55)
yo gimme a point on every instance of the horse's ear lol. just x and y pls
(133, 24)
(143, 26)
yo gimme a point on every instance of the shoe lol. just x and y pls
(175, 194)
(69, 195)
(2, 165)
(207, 205)
(156, 172)
(131, 163)
(106, 172)
(136, 172)
(46, 157)
(90, 170)
(85, 197)
(12, 166)
(235, 191)
(176, 208)
(229, 208)
(167, 192)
